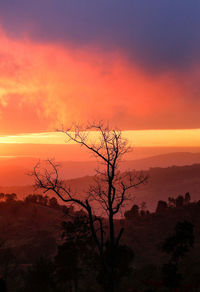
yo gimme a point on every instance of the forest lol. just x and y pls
(46, 246)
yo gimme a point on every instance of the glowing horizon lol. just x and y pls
(137, 138)
(45, 83)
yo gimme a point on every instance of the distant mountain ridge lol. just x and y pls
(13, 171)
(165, 160)
(162, 183)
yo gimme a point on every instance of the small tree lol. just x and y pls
(40, 277)
(10, 197)
(110, 191)
(42, 200)
(161, 207)
(177, 246)
(53, 203)
(179, 201)
(2, 196)
(31, 198)
(133, 213)
(171, 202)
(187, 198)
(71, 259)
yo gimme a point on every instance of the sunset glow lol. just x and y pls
(99, 145)
(50, 79)
(45, 85)
(140, 138)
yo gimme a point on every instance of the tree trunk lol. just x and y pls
(112, 254)
(75, 285)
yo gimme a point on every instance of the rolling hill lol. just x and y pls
(162, 183)
(14, 170)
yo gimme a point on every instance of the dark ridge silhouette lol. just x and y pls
(13, 170)
(50, 244)
(162, 183)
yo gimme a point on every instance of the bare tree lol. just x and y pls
(111, 190)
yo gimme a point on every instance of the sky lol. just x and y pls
(133, 63)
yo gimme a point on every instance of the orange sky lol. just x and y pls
(44, 85)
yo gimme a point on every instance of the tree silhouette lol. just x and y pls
(179, 201)
(32, 198)
(67, 267)
(71, 259)
(133, 212)
(177, 246)
(187, 198)
(40, 277)
(2, 285)
(171, 202)
(161, 207)
(53, 202)
(10, 197)
(2, 196)
(110, 191)
(123, 256)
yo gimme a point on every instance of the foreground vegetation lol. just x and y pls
(47, 247)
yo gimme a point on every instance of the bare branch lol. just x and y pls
(111, 188)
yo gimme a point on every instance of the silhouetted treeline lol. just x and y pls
(45, 246)
(162, 206)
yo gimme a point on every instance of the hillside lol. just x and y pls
(29, 231)
(14, 170)
(166, 160)
(162, 183)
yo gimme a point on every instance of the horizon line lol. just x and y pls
(137, 138)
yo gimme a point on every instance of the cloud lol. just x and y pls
(43, 85)
(158, 35)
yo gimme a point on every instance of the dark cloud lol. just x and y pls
(159, 34)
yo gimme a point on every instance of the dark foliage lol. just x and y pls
(180, 243)
(40, 277)
(161, 207)
(75, 265)
(177, 246)
(123, 256)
